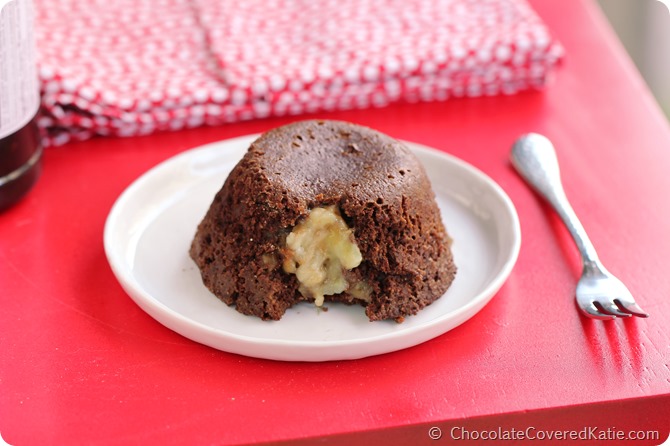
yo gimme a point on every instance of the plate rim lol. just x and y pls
(162, 312)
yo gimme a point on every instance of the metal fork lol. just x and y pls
(599, 294)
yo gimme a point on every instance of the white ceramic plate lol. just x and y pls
(150, 227)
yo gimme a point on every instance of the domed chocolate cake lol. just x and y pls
(325, 211)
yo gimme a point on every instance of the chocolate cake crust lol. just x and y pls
(378, 187)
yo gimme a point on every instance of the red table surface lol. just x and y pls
(81, 363)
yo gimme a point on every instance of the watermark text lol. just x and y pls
(591, 433)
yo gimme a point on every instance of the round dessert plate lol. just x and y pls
(150, 227)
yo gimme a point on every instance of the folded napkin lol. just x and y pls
(132, 67)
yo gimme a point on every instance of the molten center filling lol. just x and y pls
(318, 251)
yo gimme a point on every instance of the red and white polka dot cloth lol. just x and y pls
(132, 67)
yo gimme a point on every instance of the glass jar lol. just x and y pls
(20, 141)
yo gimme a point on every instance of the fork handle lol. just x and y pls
(534, 157)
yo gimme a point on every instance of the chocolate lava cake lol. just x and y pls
(325, 211)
